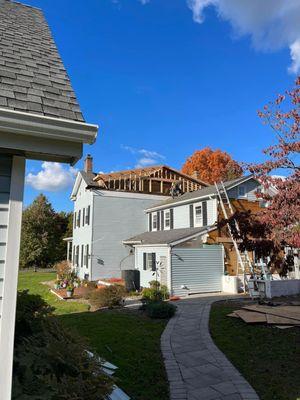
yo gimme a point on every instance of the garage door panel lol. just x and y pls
(199, 270)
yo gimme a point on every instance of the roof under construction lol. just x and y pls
(159, 179)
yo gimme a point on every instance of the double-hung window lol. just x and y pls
(149, 261)
(154, 222)
(198, 215)
(167, 220)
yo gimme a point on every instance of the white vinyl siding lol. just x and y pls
(182, 217)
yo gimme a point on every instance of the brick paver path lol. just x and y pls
(196, 368)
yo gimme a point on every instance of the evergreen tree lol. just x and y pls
(42, 233)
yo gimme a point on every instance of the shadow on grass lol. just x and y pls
(130, 341)
(269, 358)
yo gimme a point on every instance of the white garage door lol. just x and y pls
(197, 270)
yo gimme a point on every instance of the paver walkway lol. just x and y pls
(196, 368)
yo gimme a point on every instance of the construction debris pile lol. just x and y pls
(281, 315)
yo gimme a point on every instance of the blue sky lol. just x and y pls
(165, 78)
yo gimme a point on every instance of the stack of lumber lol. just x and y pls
(283, 316)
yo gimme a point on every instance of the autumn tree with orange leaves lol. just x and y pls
(212, 166)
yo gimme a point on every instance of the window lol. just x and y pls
(149, 261)
(242, 191)
(167, 219)
(154, 222)
(87, 216)
(78, 218)
(198, 215)
(73, 255)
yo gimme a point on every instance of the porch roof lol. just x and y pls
(167, 237)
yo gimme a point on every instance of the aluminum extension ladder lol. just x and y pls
(243, 257)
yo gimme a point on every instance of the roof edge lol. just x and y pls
(192, 200)
(28, 124)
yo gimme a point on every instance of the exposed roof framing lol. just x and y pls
(156, 179)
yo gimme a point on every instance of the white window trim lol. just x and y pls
(154, 215)
(198, 224)
(167, 228)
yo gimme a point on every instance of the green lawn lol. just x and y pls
(126, 338)
(32, 281)
(268, 358)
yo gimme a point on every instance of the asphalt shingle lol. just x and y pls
(30, 64)
(166, 237)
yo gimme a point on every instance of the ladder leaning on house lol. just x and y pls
(243, 257)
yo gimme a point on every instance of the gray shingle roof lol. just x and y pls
(208, 191)
(167, 237)
(32, 76)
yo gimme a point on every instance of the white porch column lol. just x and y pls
(7, 326)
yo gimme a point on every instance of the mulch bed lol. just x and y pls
(79, 293)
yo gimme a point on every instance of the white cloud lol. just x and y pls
(53, 177)
(146, 157)
(295, 56)
(272, 24)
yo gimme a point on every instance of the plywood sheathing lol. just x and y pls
(292, 312)
(251, 317)
(281, 316)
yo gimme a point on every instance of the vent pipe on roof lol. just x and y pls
(88, 164)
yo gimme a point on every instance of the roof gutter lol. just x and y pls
(193, 199)
(22, 123)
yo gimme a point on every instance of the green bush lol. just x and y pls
(110, 296)
(49, 362)
(160, 309)
(155, 292)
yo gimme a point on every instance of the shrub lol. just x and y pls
(109, 296)
(50, 362)
(63, 269)
(160, 309)
(155, 294)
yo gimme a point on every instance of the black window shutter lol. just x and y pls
(153, 261)
(162, 222)
(88, 214)
(191, 215)
(83, 217)
(82, 251)
(144, 261)
(204, 213)
(74, 222)
(158, 220)
(171, 218)
(150, 222)
(78, 219)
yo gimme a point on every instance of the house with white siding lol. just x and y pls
(183, 243)
(110, 207)
(40, 119)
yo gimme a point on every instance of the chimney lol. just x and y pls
(196, 175)
(88, 164)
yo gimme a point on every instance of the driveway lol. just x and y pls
(196, 368)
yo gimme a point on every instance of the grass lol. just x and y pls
(266, 356)
(32, 281)
(130, 341)
(126, 338)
